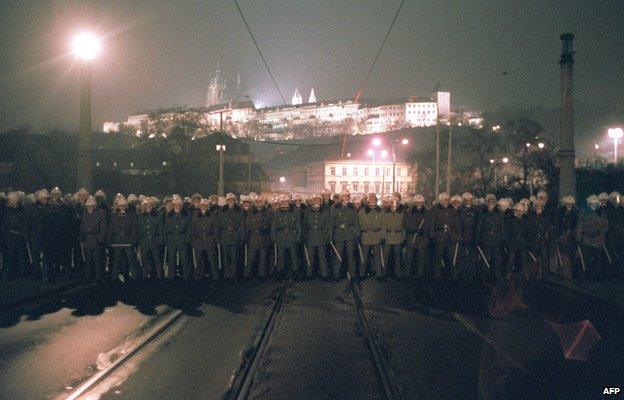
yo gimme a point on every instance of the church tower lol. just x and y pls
(215, 88)
(297, 99)
(312, 98)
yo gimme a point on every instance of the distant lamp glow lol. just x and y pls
(370, 152)
(405, 142)
(541, 145)
(615, 134)
(596, 146)
(491, 161)
(282, 179)
(384, 153)
(85, 46)
(220, 147)
(376, 142)
(348, 154)
(505, 160)
(528, 144)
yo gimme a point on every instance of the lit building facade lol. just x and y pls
(361, 176)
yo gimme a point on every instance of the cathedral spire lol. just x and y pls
(297, 99)
(312, 98)
(215, 88)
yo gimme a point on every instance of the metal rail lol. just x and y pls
(388, 379)
(167, 320)
(242, 382)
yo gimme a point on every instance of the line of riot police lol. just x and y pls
(324, 235)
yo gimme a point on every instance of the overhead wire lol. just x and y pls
(240, 11)
(370, 70)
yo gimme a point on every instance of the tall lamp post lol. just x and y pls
(220, 149)
(615, 134)
(85, 47)
(448, 159)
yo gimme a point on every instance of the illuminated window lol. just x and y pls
(355, 171)
(388, 187)
(355, 186)
(366, 187)
(332, 171)
(332, 187)
(344, 171)
(344, 186)
(365, 171)
(377, 172)
(398, 171)
(377, 187)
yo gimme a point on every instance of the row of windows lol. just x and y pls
(420, 105)
(368, 187)
(356, 171)
(421, 112)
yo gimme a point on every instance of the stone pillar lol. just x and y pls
(566, 155)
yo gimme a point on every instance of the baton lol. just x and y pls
(139, 257)
(165, 259)
(245, 264)
(82, 252)
(29, 253)
(361, 252)
(608, 255)
(483, 256)
(417, 230)
(307, 256)
(581, 256)
(178, 257)
(219, 255)
(532, 256)
(275, 254)
(383, 264)
(336, 251)
(559, 256)
(455, 255)
(442, 259)
(194, 259)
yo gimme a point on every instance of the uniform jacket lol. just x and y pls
(566, 222)
(203, 229)
(258, 228)
(444, 221)
(591, 229)
(468, 219)
(489, 227)
(517, 233)
(316, 227)
(122, 229)
(93, 228)
(540, 229)
(14, 224)
(230, 225)
(417, 222)
(177, 229)
(150, 228)
(345, 223)
(392, 222)
(286, 227)
(371, 225)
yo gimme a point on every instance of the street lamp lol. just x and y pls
(376, 142)
(85, 47)
(505, 160)
(615, 134)
(448, 158)
(282, 179)
(220, 149)
(541, 145)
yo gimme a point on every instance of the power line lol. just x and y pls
(259, 52)
(370, 70)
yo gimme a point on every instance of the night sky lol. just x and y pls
(160, 54)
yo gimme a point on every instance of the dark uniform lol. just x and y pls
(204, 243)
(178, 241)
(515, 241)
(345, 232)
(55, 220)
(286, 233)
(446, 234)
(151, 238)
(394, 236)
(489, 239)
(92, 240)
(229, 228)
(565, 225)
(14, 234)
(540, 236)
(417, 225)
(122, 238)
(468, 217)
(258, 240)
(591, 236)
(316, 235)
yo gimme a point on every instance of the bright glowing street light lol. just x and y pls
(505, 160)
(615, 134)
(282, 179)
(405, 142)
(541, 145)
(86, 46)
(491, 161)
(376, 141)
(528, 144)
(596, 146)
(370, 152)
